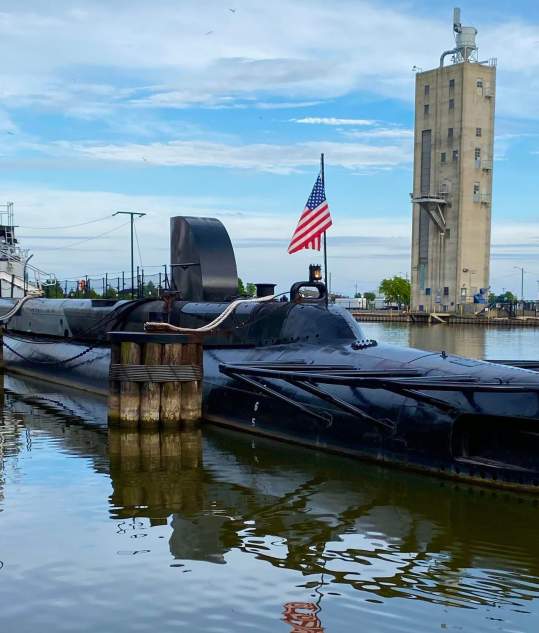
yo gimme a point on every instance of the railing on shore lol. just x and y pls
(115, 285)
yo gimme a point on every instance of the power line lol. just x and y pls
(87, 239)
(66, 226)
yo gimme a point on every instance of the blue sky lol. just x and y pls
(222, 109)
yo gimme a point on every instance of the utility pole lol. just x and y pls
(522, 271)
(132, 214)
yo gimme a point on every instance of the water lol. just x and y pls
(509, 343)
(220, 531)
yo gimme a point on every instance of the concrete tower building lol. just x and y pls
(452, 190)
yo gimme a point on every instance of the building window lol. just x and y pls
(479, 87)
(450, 133)
(426, 109)
(451, 85)
(448, 234)
(455, 154)
(451, 104)
(427, 90)
(478, 131)
(476, 188)
(427, 291)
(442, 157)
(446, 291)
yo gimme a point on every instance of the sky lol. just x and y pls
(222, 109)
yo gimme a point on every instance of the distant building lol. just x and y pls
(452, 188)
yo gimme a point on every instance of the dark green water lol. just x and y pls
(217, 531)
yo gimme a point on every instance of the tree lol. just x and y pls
(506, 297)
(241, 287)
(357, 295)
(110, 293)
(246, 290)
(396, 290)
(52, 289)
(370, 296)
(149, 289)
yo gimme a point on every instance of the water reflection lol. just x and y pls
(389, 534)
(463, 340)
(473, 341)
(338, 525)
(303, 617)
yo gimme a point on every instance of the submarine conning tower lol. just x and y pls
(202, 260)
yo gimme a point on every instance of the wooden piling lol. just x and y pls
(150, 392)
(155, 377)
(130, 354)
(171, 392)
(114, 387)
(191, 398)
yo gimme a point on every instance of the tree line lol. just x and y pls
(395, 289)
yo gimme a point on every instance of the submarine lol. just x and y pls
(296, 368)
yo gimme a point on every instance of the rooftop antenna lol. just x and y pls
(465, 47)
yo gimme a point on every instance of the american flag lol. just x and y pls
(314, 222)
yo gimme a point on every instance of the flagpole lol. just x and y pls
(322, 175)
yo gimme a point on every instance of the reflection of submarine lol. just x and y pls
(387, 533)
(302, 371)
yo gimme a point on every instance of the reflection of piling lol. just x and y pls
(153, 472)
(155, 378)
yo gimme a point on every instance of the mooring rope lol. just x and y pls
(156, 326)
(4, 318)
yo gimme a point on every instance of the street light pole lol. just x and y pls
(132, 214)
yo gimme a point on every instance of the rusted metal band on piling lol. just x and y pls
(155, 373)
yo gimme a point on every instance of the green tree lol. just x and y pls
(149, 289)
(357, 295)
(246, 290)
(110, 293)
(53, 289)
(370, 296)
(506, 297)
(396, 290)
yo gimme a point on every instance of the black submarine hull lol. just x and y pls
(305, 373)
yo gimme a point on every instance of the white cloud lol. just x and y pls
(275, 158)
(381, 133)
(313, 120)
(165, 54)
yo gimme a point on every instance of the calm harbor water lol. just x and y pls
(516, 343)
(218, 531)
